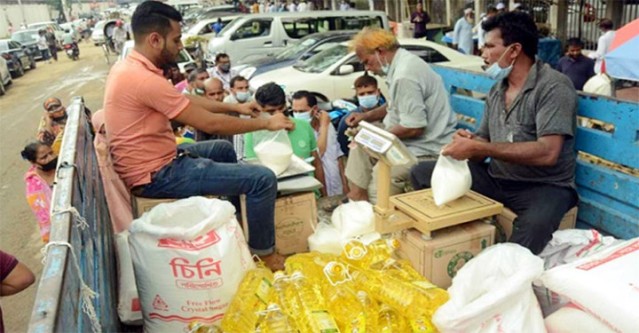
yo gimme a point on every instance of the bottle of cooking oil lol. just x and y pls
(372, 255)
(341, 300)
(390, 321)
(276, 321)
(313, 316)
(310, 264)
(402, 270)
(403, 297)
(372, 311)
(252, 296)
(197, 327)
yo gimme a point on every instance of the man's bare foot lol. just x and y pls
(274, 261)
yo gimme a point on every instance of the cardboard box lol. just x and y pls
(505, 223)
(439, 258)
(142, 205)
(295, 220)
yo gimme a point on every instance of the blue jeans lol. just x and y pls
(210, 168)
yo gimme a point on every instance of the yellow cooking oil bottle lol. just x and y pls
(372, 255)
(341, 299)
(276, 321)
(372, 311)
(403, 297)
(311, 264)
(197, 327)
(252, 296)
(390, 321)
(313, 315)
(402, 270)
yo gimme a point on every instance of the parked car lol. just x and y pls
(5, 76)
(333, 71)
(204, 29)
(184, 57)
(57, 30)
(28, 38)
(255, 35)
(17, 56)
(97, 36)
(299, 51)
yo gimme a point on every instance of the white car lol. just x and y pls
(57, 30)
(97, 36)
(333, 71)
(203, 29)
(184, 57)
(5, 76)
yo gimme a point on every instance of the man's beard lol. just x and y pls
(167, 57)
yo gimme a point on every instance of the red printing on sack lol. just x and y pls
(199, 243)
(634, 246)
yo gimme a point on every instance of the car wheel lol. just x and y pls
(19, 70)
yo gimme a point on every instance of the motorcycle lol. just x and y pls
(72, 51)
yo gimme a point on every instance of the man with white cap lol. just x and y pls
(463, 33)
(501, 7)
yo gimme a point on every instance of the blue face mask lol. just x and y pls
(242, 96)
(303, 116)
(497, 73)
(368, 101)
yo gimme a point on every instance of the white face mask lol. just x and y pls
(384, 67)
(307, 116)
(242, 96)
(495, 72)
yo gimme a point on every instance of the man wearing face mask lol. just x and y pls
(195, 81)
(222, 70)
(239, 91)
(418, 110)
(372, 108)
(527, 130)
(51, 128)
(239, 94)
(305, 108)
(463, 33)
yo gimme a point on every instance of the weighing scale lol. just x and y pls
(415, 209)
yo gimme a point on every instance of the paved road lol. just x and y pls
(20, 111)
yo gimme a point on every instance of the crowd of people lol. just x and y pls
(267, 6)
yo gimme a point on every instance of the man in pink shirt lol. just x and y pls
(139, 104)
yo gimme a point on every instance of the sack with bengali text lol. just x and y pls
(189, 257)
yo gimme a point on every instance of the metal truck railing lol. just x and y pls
(607, 172)
(77, 290)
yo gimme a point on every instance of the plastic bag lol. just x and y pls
(354, 219)
(493, 293)
(273, 149)
(603, 284)
(571, 319)
(565, 247)
(325, 239)
(189, 257)
(129, 309)
(451, 179)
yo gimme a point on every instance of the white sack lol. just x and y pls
(325, 239)
(565, 247)
(354, 219)
(493, 293)
(189, 257)
(604, 284)
(570, 319)
(450, 180)
(129, 309)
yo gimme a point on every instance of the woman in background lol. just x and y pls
(39, 183)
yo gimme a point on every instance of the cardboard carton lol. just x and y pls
(439, 258)
(295, 220)
(505, 223)
(142, 205)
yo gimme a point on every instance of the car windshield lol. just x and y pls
(229, 26)
(294, 50)
(25, 36)
(323, 60)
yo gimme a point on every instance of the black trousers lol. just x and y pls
(539, 207)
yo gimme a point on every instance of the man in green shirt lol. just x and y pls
(272, 99)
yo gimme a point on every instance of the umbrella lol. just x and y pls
(622, 59)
